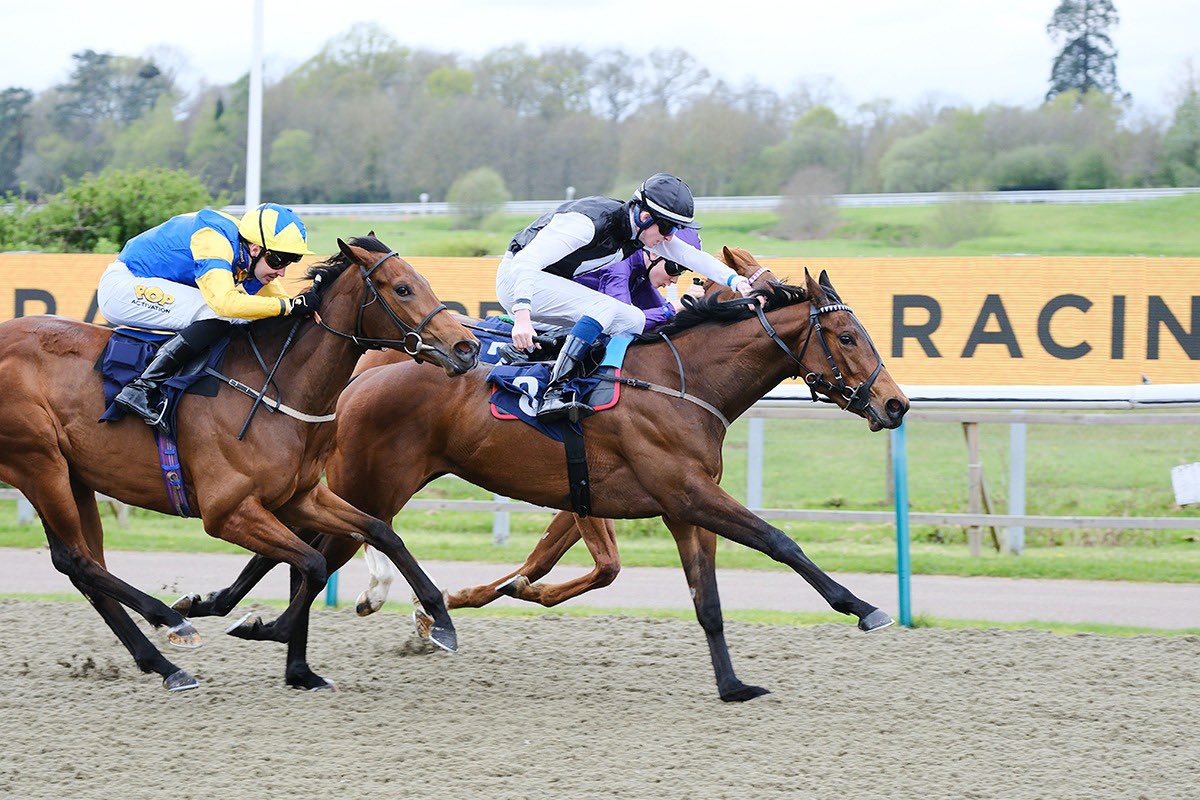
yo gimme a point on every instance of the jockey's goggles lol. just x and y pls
(674, 268)
(664, 227)
(280, 260)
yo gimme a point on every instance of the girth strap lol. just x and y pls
(577, 471)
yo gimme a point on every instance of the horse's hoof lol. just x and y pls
(180, 681)
(364, 607)
(244, 626)
(743, 692)
(444, 638)
(876, 620)
(184, 636)
(422, 622)
(184, 604)
(513, 586)
(311, 682)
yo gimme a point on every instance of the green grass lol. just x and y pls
(1072, 470)
(1162, 227)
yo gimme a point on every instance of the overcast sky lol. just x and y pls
(958, 51)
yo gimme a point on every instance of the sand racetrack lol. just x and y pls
(558, 707)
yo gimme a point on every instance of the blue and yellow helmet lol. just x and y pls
(276, 228)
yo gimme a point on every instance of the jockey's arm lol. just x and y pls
(214, 278)
(563, 235)
(702, 263)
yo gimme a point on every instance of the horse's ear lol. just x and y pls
(827, 285)
(814, 289)
(371, 234)
(727, 256)
(345, 248)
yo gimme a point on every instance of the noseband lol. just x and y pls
(857, 397)
(412, 343)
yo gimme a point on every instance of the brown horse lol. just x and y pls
(248, 492)
(395, 439)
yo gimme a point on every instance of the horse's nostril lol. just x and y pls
(467, 349)
(895, 408)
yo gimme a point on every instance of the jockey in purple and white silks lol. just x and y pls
(534, 281)
(636, 280)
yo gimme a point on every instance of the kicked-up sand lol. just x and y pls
(604, 707)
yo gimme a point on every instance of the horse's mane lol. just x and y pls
(336, 264)
(710, 309)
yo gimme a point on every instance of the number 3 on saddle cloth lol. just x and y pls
(127, 353)
(517, 390)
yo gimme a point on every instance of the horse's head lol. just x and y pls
(843, 363)
(397, 308)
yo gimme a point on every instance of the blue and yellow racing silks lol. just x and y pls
(202, 249)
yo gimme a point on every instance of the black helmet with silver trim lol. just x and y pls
(667, 199)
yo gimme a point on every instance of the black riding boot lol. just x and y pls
(554, 405)
(142, 395)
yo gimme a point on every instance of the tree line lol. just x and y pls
(369, 120)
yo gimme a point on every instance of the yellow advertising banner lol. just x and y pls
(1011, 320)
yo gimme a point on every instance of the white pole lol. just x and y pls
(754, 463)
(499, 523)
(254, 127)
(1016, 485)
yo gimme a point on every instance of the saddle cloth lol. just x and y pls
(518, 389)
(128, 352)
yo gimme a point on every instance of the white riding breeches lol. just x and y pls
(157, 303)
(559, 301)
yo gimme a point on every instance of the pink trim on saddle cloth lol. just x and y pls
(498, 414)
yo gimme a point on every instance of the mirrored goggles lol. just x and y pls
(280, 260)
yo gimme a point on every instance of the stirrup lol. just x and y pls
(572, 410)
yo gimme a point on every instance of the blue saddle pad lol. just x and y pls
(519, 390)
(125, 357)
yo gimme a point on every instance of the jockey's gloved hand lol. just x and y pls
(303, 304)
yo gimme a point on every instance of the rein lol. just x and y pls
(412, 343)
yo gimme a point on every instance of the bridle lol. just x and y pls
(412, 343)
(857, 398)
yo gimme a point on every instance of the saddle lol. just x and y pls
(128, 352)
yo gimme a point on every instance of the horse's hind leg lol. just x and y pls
(68, 511)
(561, 534)
(697, 553)
(222, 601)
(600, 537)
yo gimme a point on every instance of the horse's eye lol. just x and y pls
(846, 339)
(403, 290)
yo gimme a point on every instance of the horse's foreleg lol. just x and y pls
(697, 553)
(561, 534)
(706, 504)
(600, 537)
(250, 525)
(323, 510)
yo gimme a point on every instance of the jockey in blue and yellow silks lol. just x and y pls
(197, 273)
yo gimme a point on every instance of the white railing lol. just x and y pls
(1015, 406)
(763, 202)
